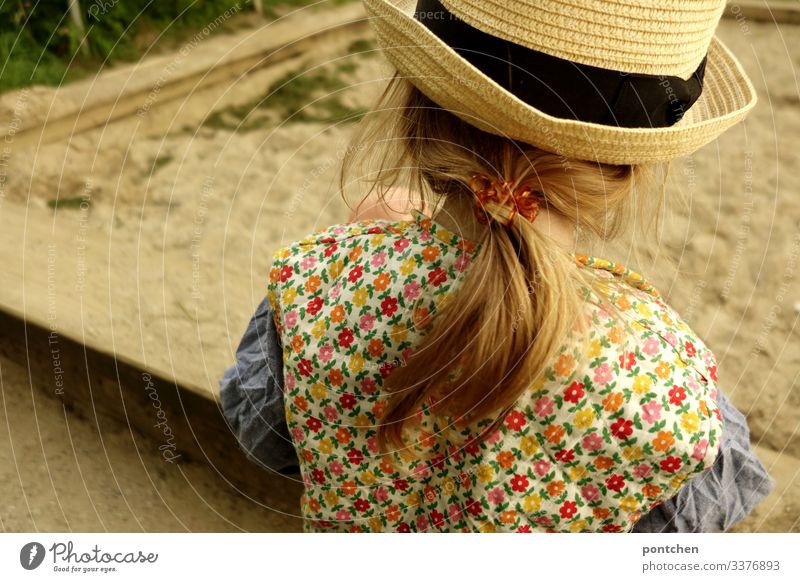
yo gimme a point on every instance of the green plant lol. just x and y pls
(39, 43)
(73, 203)
(160, 162)
(299, 96)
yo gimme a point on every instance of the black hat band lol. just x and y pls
(563, 88)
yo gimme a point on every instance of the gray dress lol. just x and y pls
(252, 400)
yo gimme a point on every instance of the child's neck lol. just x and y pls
(457, 214)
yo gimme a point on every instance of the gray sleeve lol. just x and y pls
(716, 499)
(251, 394)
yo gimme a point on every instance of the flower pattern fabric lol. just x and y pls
(617, 424)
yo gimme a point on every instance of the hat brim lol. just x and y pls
(458, 86)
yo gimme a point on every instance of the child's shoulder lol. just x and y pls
(613, 270)
(346, 234)
(639, 302)
(382, 263)
(355, 240)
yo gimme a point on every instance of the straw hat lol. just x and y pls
(616, 81)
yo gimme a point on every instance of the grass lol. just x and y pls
(40, 45)
(360, 46)
(293, 94)
(160, 162)
(272, 8)
(69, 203)
(298, 97)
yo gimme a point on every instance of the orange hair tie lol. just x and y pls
(520, 200)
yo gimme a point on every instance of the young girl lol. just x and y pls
(462, 368)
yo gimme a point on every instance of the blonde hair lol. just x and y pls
(520, 297)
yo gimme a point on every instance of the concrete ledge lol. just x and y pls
(183, 424)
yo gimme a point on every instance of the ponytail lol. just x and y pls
(505, 324)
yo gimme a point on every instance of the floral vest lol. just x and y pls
(618, 423)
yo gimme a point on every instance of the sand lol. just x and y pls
(191, 237)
